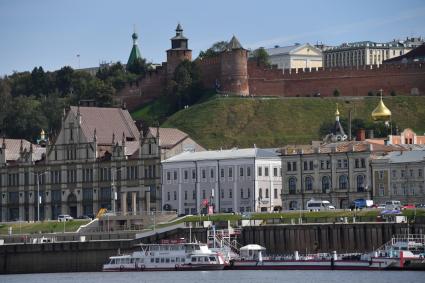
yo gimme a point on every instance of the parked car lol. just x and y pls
(361, 203)
(379, 206)
(408, 206)
(393, 205)
(318, 205)
(64, 217)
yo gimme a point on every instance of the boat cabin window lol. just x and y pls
(157, 260)
(162, 260)
(167, 260)
(177, 259)
(173, 259)
(212, 258)
(152, 259)
(193, 259)
(112, 261)
(182, 259)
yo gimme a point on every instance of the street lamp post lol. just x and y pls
(114, 193)
(38, 193)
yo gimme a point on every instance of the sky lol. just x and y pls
(51, 33)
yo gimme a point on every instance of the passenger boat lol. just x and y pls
(168, 255)
(405, 252)
(253, 257)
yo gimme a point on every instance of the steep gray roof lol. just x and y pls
(405, 156)
(234, 44)
(106, 121)
(224, 154)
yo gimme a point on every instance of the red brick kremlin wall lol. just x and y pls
(403, 79)
(262, 81)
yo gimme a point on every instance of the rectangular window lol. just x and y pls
(305, 165)
(203, 194)
(194, 174)
(322, 164)
(266, 171)
(241, 192)
(230, 193)
(168, 176)
(222, 172)
(402, 173)
(363, 161)
(339, 163)
(394, 173)
(260, 171)
(356, 163)
(194, 194)
(241, 172)
(248, 171)
(288, 166)
(230, 172)
(275, 193)
(175, 195)
(203, 174)
(185, 174)
(211, 173)
(419, 172)
(328, 164)
(294, 166)
(185, 195)
(222, 193)
(311, 165)
(275, 172)
(345, 163)
(175, 175)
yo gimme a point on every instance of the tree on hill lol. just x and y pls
(186, 86)
(214, 50)
(261, 56)
(64, 80)
(139, 67)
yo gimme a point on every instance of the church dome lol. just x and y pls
(381, 112)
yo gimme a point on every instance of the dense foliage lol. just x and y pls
(31, 101)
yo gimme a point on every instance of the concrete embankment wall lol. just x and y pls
(361, 237)
(75, 256)
(278, 239)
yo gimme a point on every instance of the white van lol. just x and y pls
(318, 205)
(393, 205)
(64, 217)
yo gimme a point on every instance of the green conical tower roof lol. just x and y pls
(135, 52)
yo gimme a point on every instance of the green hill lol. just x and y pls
(271, 122)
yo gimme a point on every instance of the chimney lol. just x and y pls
(361, 135)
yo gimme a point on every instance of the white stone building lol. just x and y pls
(237, 180)
(295, 56)
(364, 53)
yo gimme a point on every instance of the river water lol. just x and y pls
(263, 276)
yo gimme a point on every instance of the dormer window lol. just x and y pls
(71, 131)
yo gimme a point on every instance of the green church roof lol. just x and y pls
(135, 52)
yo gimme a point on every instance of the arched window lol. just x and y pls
(326, 184)
(308, 183)
(292, 185)
(260, 192)
(360, 183)
(343, 182)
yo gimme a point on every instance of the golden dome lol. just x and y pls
(337, 111)
(381, 112)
